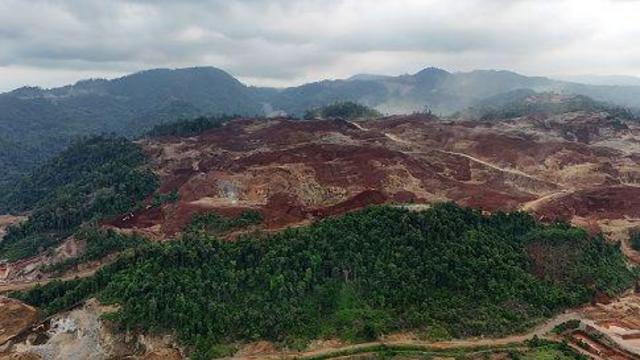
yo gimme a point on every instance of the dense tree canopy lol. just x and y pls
(635, 240)
(447, 271)
(189, 127)
(345, 110)
(92, 179)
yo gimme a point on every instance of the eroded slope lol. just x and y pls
(294, 171)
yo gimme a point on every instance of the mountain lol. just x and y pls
(611, 80)
(291, 170)
(232, 234)
(441, 91)
(36, 124)
(525, 102)
(43, 122)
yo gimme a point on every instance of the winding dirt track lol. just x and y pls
(515, 172)
(534, 204)
(539, 331)
(492, 166)
(28, 285)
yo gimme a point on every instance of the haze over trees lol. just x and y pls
(524, 102)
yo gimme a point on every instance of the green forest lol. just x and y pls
(94, 178)
(443, 272)
(345, 110)
(190, 127)
(635, 240)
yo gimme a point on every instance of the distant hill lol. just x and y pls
(441, 91)
(40, 123)
(612, 80)
(525, 102)
(36, 124)
(345, 110)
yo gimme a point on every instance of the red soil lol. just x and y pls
(610, 202)
(294, 171)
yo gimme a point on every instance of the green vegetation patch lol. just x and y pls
(345, 110)
(214, 224)
(160, 199)
(519, 103)
(550, 352)
(567, 325)
(634, 241)
(190, 127)
(356, 276)
(93, 179)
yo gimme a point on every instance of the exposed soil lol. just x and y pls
(618, 321)
(14, 317)
(25, 273)
(81, 333)
(295, 171)
(606, 202)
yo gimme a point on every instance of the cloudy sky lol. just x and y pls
(279, 42)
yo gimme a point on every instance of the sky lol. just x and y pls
(281, 43)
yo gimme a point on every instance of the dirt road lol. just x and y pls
(515, 172)
(540, 331)
(4, 288)
(534, 204)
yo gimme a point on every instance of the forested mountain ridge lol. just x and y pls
(525, 102)
(92, 179)
(441, 91)
(42, 122)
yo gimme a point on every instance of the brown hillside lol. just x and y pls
(293, 171)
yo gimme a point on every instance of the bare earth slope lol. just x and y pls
(294, 171)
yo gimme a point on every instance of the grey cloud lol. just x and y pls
(291, 41)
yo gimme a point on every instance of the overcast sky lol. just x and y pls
(278, 42)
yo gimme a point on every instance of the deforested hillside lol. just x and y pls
(227, 234)
(293, 171)
(39, 123)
